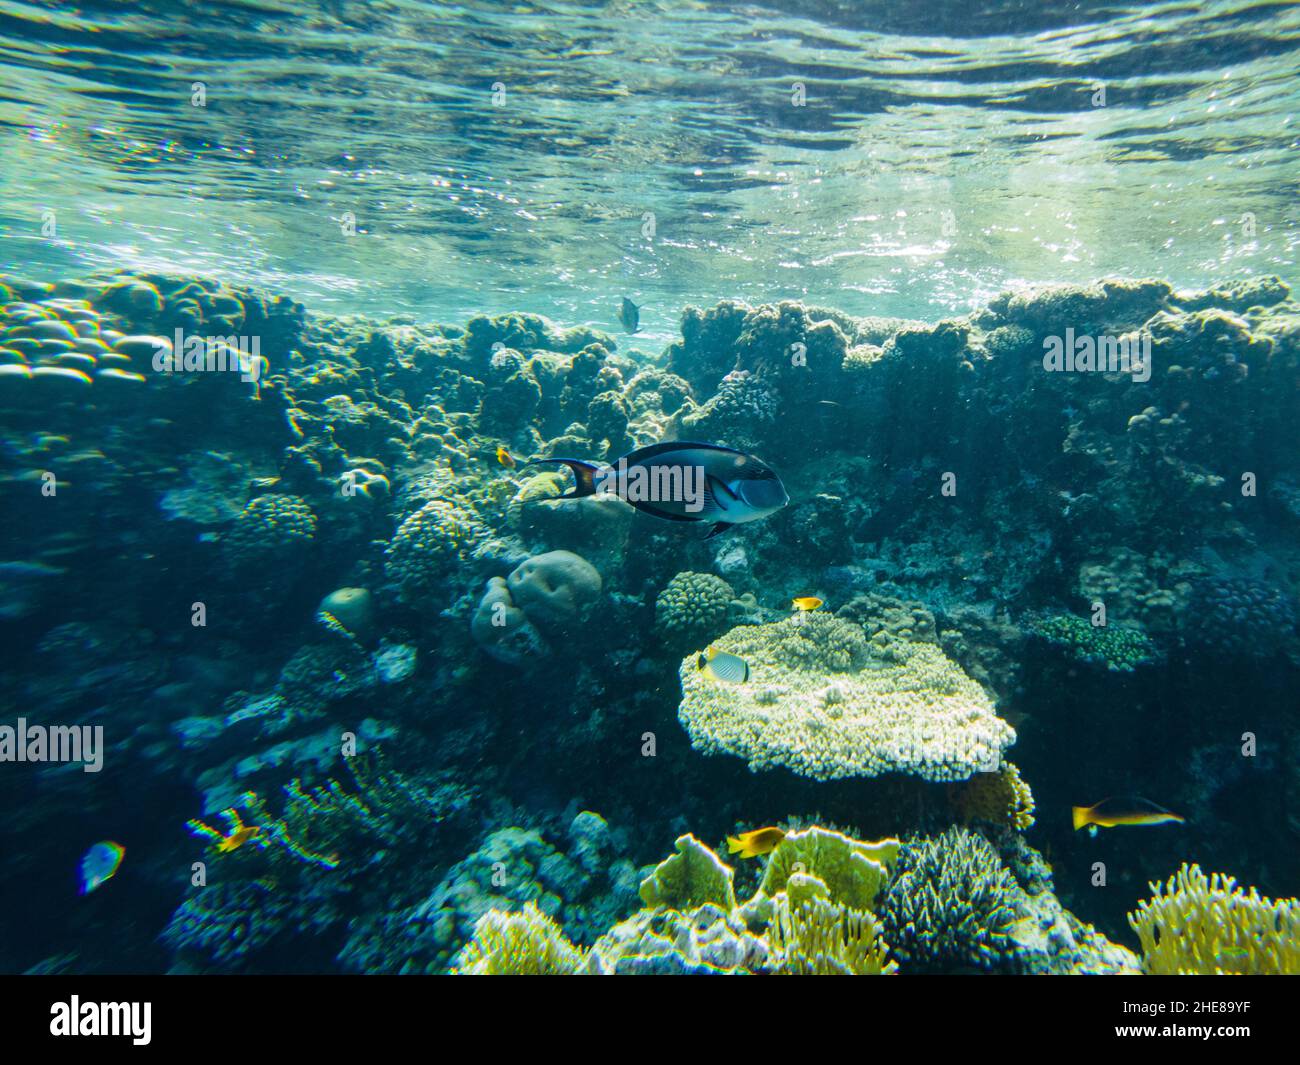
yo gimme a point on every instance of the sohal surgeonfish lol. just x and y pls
(1110, 813)
(684, 481)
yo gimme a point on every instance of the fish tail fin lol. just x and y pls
(734, 844)
(1080, 816)
(584, 474)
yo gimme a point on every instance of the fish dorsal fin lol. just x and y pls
(651, 450)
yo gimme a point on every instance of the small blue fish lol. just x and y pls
(100, 864)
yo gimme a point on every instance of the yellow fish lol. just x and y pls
(1110, 813)
(505, 458)
(237, 839)
(752, 844)
(806, 602)
(718, 665)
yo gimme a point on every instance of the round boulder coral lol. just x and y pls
(271, 526)
(692, 609)
(426, 545)
(555, 589)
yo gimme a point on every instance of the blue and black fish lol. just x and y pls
(683, 481)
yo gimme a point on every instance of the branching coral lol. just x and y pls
(951, 905)
(527, 943)
(1199, 925)
(817, 937)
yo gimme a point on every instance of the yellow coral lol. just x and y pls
(1001, 798)
(518, 944)
(1199, 925)
(817, 937)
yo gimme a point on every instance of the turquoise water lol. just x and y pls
(608, 112)
(319, 320)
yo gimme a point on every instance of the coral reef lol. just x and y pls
(952, 905)
(253, 564)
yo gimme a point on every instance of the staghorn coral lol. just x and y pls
(914, 712)
(951, 904)
(692, 608)
(1199, 925)
(527, 943)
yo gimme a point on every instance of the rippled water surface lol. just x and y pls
(882, 157)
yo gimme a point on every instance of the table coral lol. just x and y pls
(818, 703)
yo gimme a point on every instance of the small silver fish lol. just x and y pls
(630, 315)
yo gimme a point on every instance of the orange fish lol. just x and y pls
(505, 458)
(752, 844)
(806, 602)
(237, 838)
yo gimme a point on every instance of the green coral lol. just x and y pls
(951, 905)
(271, 526)
(1121, 649)
(691, 877)
(693, 607)
(1199, 925)
(853, 872)
(527, 943)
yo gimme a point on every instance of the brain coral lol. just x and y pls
(693, 607)
(818, 703)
